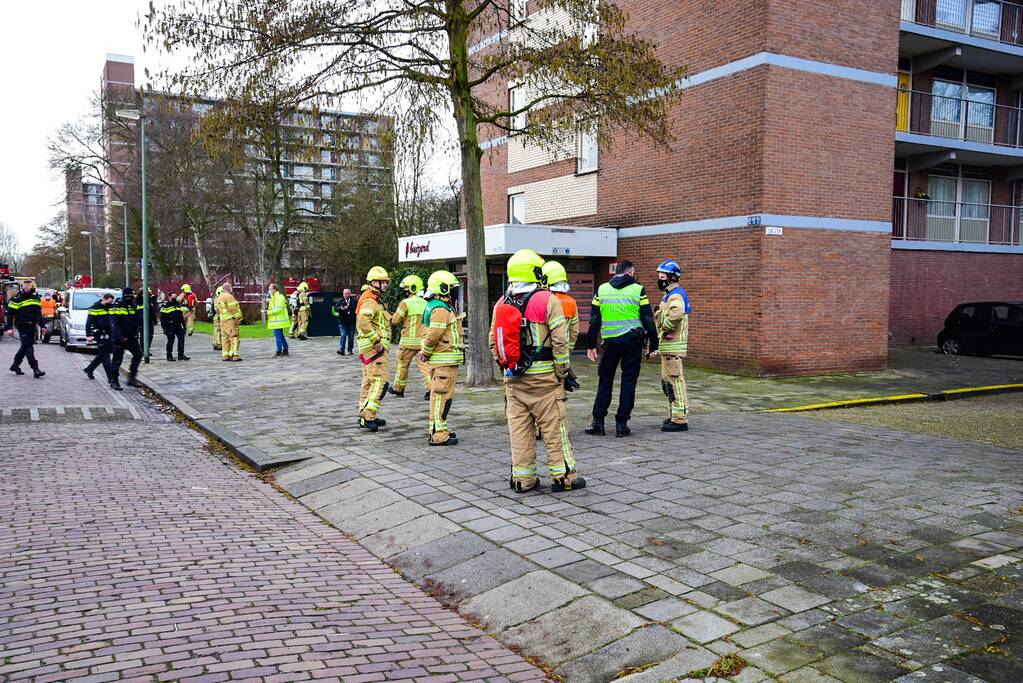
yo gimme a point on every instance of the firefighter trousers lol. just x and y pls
(230, 337)
(216, 333)
(374, 386)
(673, 382)
(301, 322)
(189, 321)
(538, 400)
(442, 390)
(401, 375)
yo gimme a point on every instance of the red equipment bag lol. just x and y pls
(516, 349)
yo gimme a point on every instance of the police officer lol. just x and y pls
(124, 329)
(373, 337)
(25, 313)
(622, 315)
(302, 310)
(537, 396)
(98, 328)
(172, 320)
(410, 316)
(673, 333)
(443, 350)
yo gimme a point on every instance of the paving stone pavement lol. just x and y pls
(130, 551)
(816, 550)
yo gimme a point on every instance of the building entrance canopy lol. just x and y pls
(506, 239)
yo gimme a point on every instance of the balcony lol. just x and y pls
(990, 19)
(971, 130)
(929, 220)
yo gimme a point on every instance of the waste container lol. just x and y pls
(322, 322)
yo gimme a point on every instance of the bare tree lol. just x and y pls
(11, 252)
(430, 59)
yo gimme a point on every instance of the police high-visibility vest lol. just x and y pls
(619, 309)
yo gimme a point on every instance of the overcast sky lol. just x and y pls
(51, 58)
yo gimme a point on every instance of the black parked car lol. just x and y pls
(984, 328)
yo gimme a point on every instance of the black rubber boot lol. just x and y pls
(397, 393)
(132, 382)
(16, 370)
(381, 422)
(88, 373)
(517, 486)
(37, 373)
(170, 359)
(622, 429)
(597, 428)
(184, 358)
(670, 426)
(559, 485)
(116, 386)
(368, 425)
(426, 396)
(452, 441)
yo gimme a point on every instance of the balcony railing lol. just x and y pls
(961, 222)
(991, 19)
(975, 119)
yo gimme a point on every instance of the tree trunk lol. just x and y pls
(479, 368)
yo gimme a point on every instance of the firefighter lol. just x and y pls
(25, 313)
(125, 331)
(48, 308)
(673, 334)
(443, 350)
(172, 320)
(211, 311)
(188, 302)
(622, 315)
(556, 280)
(373, 336)
(410, 316)
(230, 312)
(98, 329)
(302, 311)
(537, 394)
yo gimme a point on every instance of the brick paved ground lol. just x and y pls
(129, 551)
(818, 550)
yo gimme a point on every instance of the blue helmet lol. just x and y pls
(671, 267)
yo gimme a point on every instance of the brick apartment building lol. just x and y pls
(336, 144)
(85, 202)
(777, 196)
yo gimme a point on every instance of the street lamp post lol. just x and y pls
(139, 115)
(127, 270)
(92, 277)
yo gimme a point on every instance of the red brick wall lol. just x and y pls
(927, 285)
(806, 302)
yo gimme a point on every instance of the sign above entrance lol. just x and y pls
(501, 240)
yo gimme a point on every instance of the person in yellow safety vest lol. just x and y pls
(538, 394)
(230, 312)
(373, 337)
(217, 345)
(188, 299)
(277, 318)
(302, 310)
(443, 351)
(672, 319)
(410, 316)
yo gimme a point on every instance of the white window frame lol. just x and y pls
(518, 11)
(520, 199)
(591, 29)
(587, 137)
(516, 100)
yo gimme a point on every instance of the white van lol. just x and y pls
(74, 312)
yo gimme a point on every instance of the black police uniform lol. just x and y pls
(172, 320)
(26, 314)
(97, 326)
(125, 327)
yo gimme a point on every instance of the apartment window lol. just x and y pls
(328, 174)
(963, 111)
(589, 149)
(303, 171)
(326, 191)
(517, 209)
(326, 156)
(516, 101)
(519, 11)
(959, 209)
